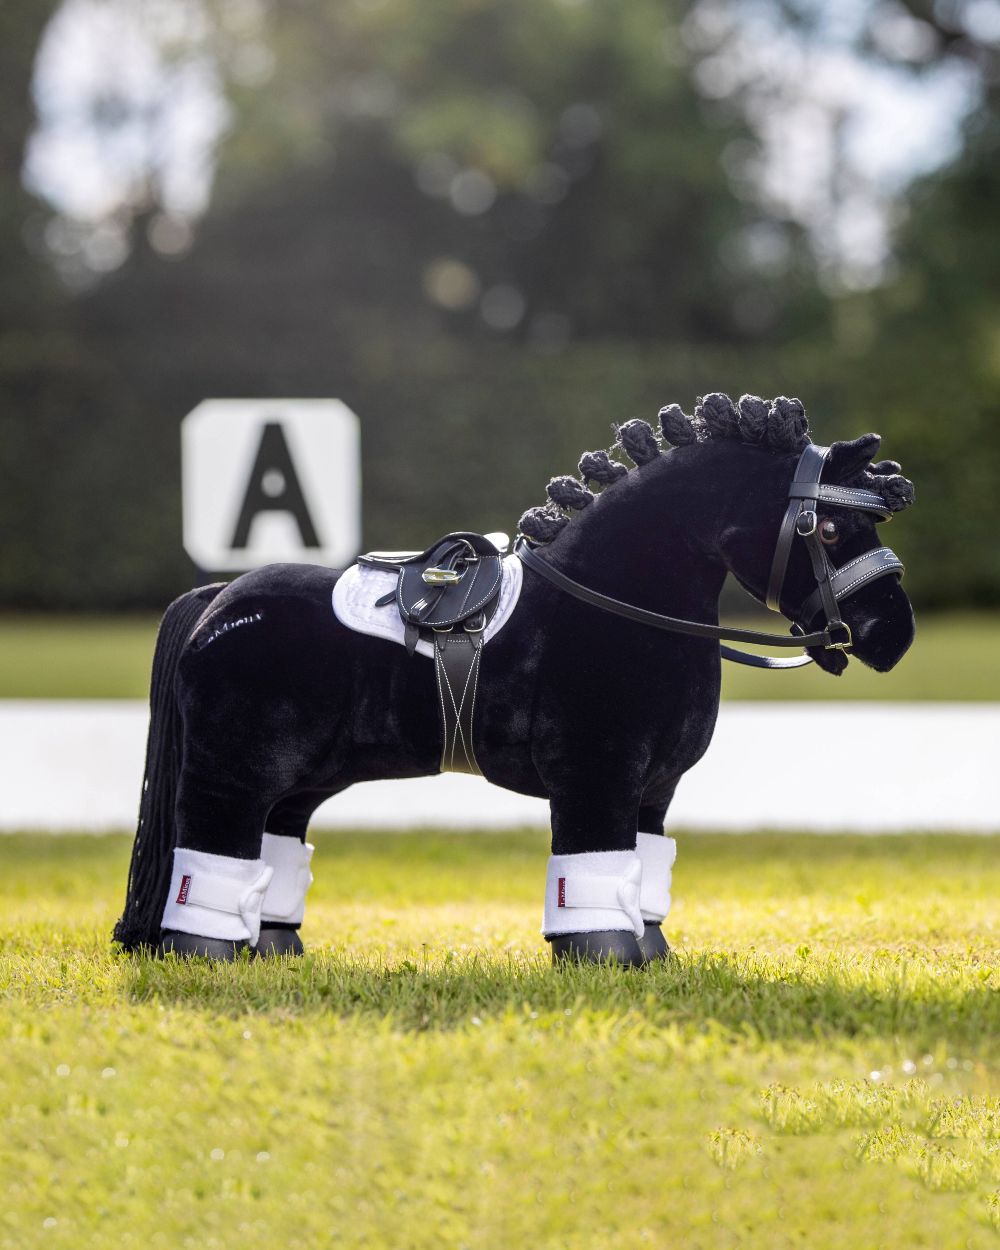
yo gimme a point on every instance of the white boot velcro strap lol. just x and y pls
(657, 854)
(224, 894)
(592, 892)
(216, 896)
(285, 900)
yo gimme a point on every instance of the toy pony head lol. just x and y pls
(795, 522)
(823, 559)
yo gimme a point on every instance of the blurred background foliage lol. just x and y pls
(492, 227)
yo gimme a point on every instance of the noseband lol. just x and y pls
(832, 584)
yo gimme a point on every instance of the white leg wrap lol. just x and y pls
(216, 896)
(285, 900)
(592, 892)
(657, 854)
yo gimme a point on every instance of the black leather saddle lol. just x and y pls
(447, 595)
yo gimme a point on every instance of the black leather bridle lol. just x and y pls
(805, 494)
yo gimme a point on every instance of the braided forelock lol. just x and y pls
(885, 479)
(677, 426)
(787, 425)
(718, 415)
(897, 491)
(780, 426)
(637, 440)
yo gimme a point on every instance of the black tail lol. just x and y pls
(152, 852)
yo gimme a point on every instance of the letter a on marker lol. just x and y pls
(274, 457)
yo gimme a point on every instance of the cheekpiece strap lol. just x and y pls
(804, 488)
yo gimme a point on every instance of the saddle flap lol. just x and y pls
(453, 581)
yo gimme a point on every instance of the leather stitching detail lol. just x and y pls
(472, 582)
(438, 672)
(459, 732)
(471, 753)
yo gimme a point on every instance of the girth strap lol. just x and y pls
(449, 593)
(456, 670)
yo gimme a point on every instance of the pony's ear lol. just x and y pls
(846, 460)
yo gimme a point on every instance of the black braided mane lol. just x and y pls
(779, 425)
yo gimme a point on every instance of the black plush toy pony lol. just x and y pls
(590, 658)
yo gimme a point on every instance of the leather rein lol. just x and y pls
(805, 493)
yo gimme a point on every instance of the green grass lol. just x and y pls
(423, 1078)
(954, 658)
(84, 657)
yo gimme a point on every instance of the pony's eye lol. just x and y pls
(829, 532)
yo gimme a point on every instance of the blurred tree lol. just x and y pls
(939, 328)
(922, 351)
(492, 228)
(38, 358)
(570, 157)
(914, 342)
(29, 285)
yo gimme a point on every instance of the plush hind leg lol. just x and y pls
(219, 905)
(283, 908)
(225, 870)
(219, 877)
(247, 700)
(286, 851)
(270, 925)
(656, 854)
(214, 904)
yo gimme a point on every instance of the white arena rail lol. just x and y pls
(77, 765)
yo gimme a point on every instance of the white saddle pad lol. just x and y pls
(360, 586)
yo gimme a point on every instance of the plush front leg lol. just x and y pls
(592, 908)
(657, 855)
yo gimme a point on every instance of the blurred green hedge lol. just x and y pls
(453, 436)
(614, 215)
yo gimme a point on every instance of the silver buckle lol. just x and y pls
(806, 522)
(441, 577)
(846, 644)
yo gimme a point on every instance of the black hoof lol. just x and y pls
(608, 946)
(653, 944)
(278, 940)
(187, 944)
